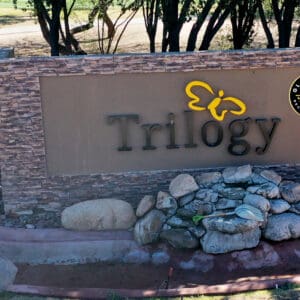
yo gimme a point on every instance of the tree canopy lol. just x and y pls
(206, 15)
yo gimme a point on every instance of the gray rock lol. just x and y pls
(262, 257)
(137, 256)
(7, 52)
(185, 213)
(179, 223)
(199, 262)
(147, 229)
(295, 209)
(290, 191)
(160, 258)
(282, 227)
(230, 224)
(182, 185)
(8, 272)
(218, 187)
(234, 193)
(279, 206)
(216, 242)
(166, 203)
(186, 199)
(257, 201)
(207, 195)
(267, 190)
(166, 227)
(257, 179)
(145, 205)
(99, 214)
(197, 231)
(271, 176)
(240, 174)
(209, 179)
(224, 203)
(198, 206)
(180, 238)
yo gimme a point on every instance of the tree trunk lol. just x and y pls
(54, 27)
(265, 26)
(297, 42)
(192, 39)
(152, 41)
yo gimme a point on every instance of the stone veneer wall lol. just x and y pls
(29, 194)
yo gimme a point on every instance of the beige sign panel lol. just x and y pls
(159, 121)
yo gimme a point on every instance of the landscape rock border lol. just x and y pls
(168, 216)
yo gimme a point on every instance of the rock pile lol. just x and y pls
(169, 216)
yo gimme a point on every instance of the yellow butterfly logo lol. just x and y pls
(214, 104)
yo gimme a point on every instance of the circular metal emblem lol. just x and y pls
(295, 95)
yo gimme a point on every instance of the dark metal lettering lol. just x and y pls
(266, 133)
(189, 119)
(171, 127)
(219, 131)
(239, 128)
(123, 121)
(149, 128)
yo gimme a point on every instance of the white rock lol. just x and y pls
(182, 185)
(145, 205)
(240, 174)
(99, 214)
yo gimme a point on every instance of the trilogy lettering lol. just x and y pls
(238, 129)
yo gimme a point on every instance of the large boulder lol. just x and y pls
(182, 185)
(230, 224)
(216, 242)
(101, 214)
(8, 272)
(282, 227)
(179, 238)
(147, 229)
